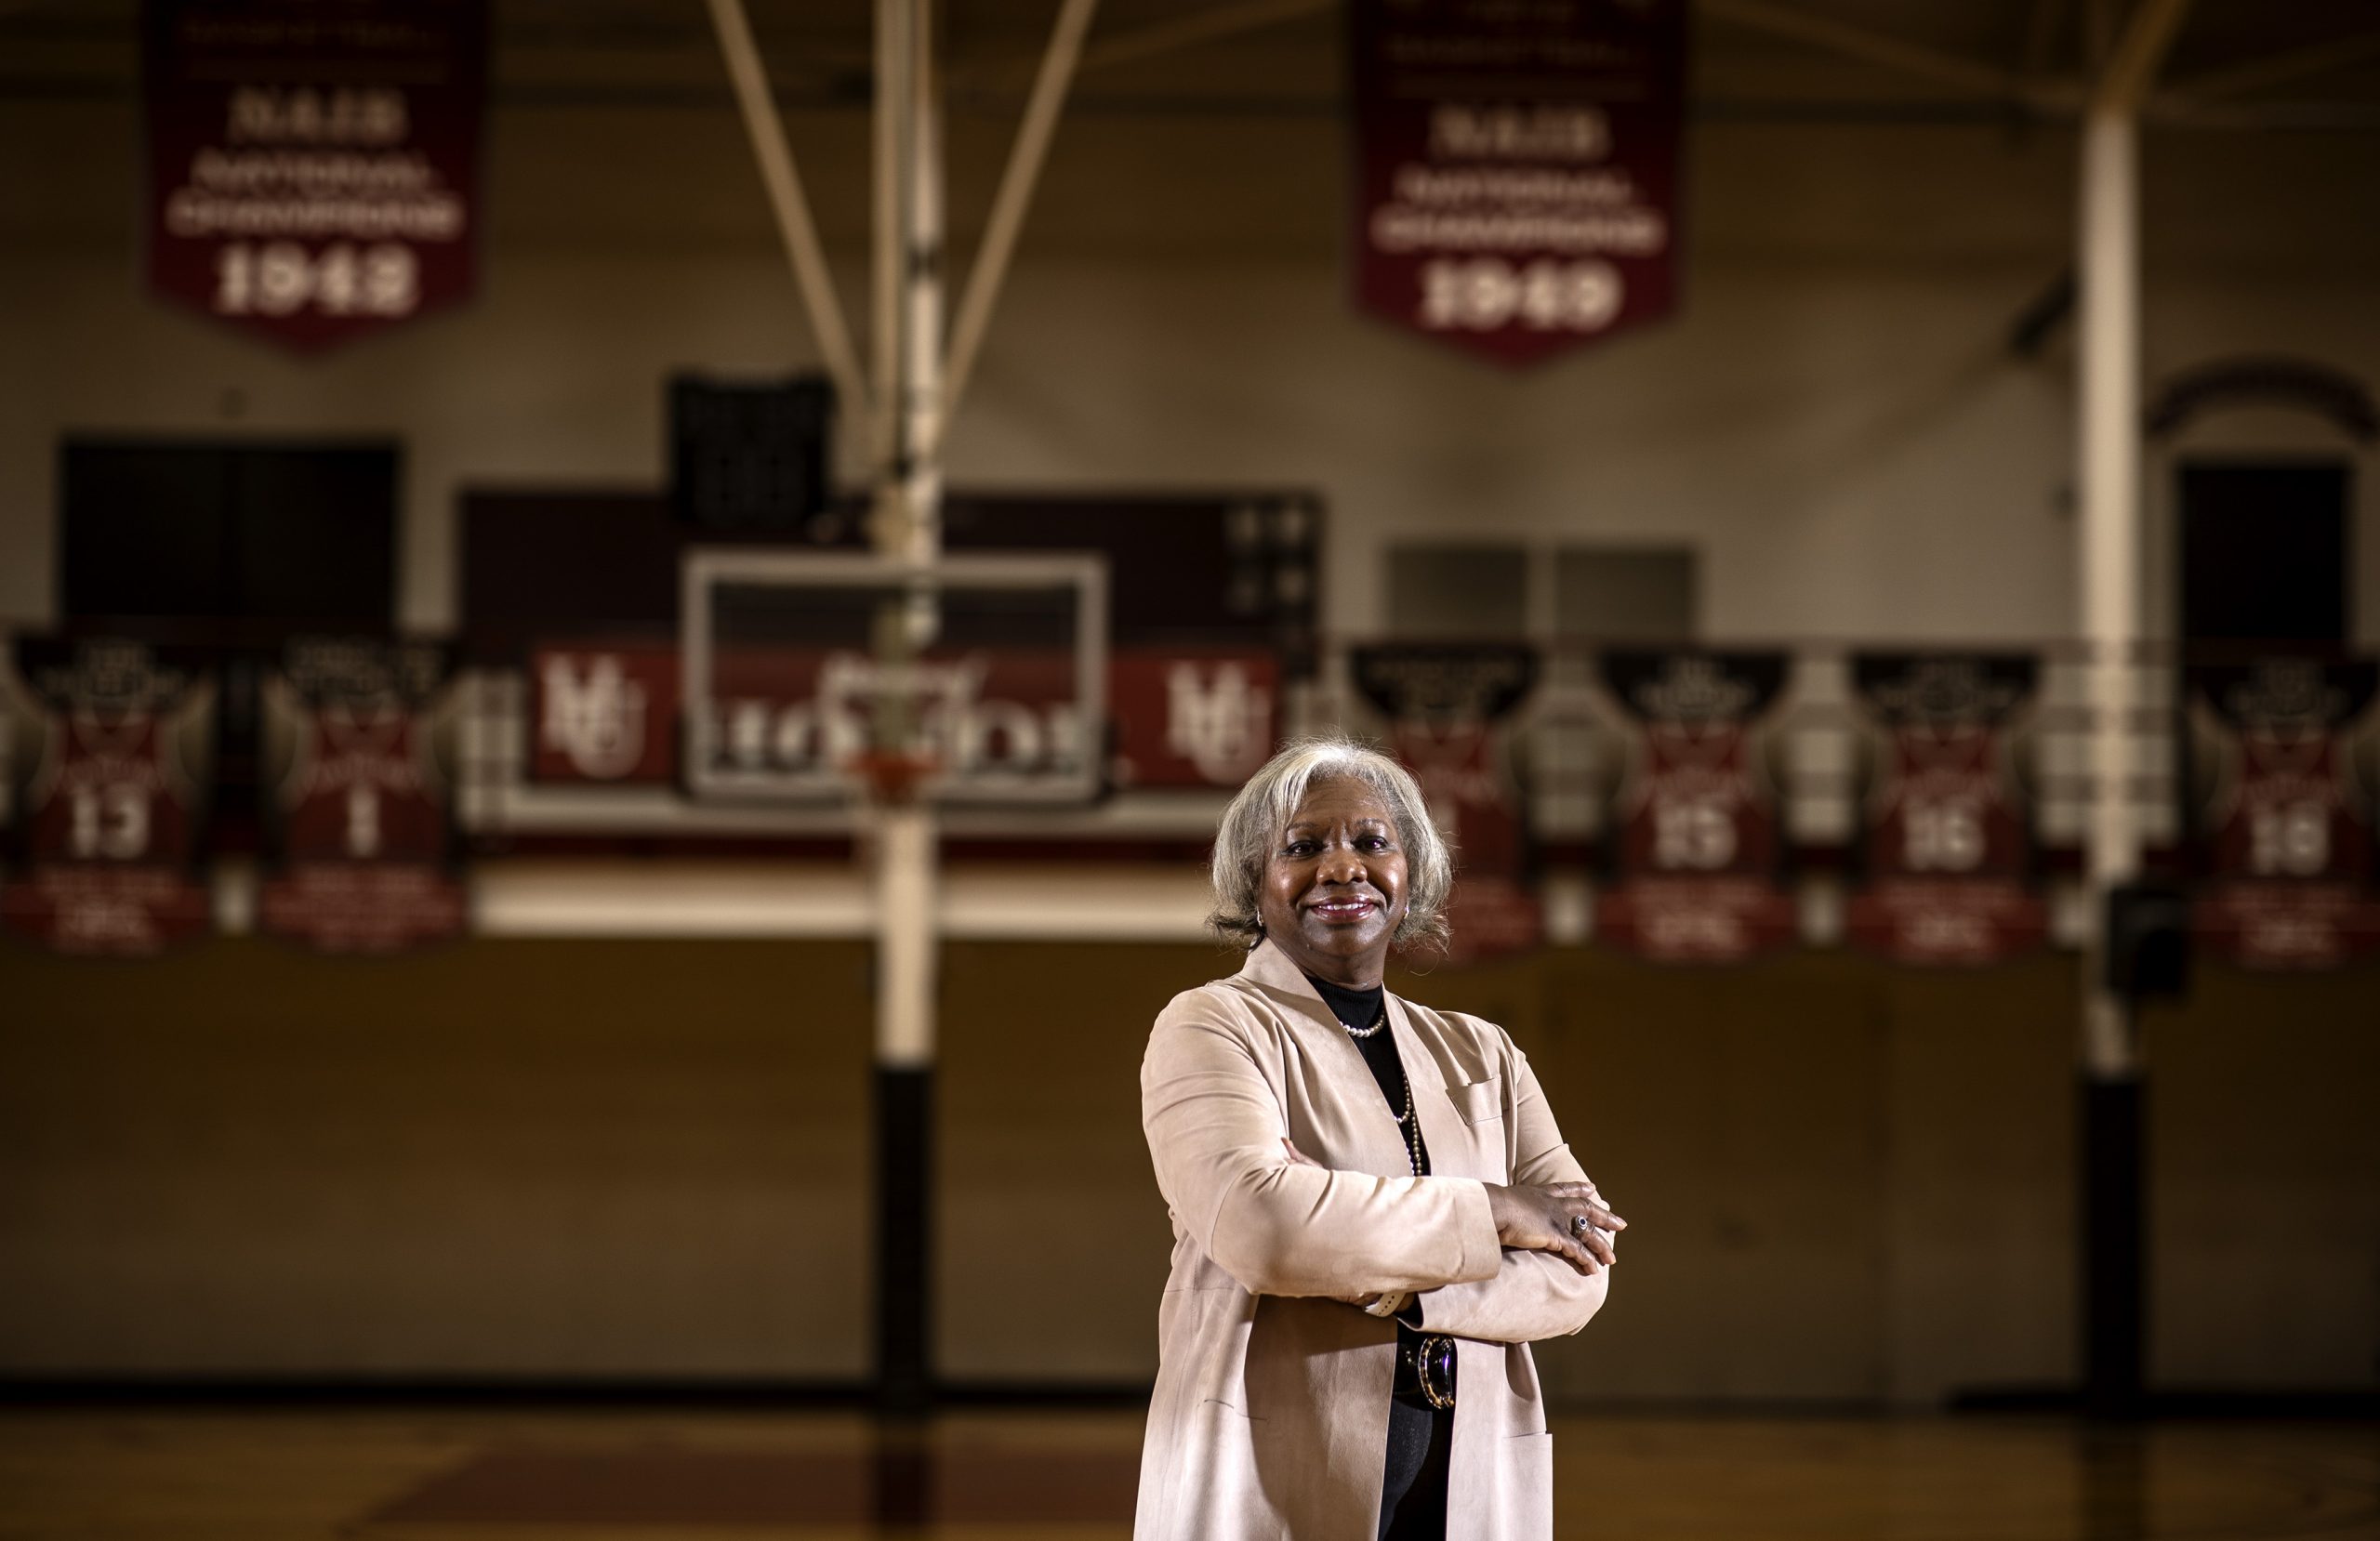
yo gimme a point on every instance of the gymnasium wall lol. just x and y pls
(621, 1160)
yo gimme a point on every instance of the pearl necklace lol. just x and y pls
(1405, 1121)
(1412, 1128)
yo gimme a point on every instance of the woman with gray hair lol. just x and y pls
(1374, 1213)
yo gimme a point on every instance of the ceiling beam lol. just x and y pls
(1855, 42)
(2043, 28)
(2278, 69)
(1201, 27)
(2138, 54)
(1135, 44)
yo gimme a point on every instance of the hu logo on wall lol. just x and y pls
(1697, 848)
(108, 830)
(1517, 168)
(604, 713)
(1187, 718)
(361, 820)
(1948, 850)
(1450, 708)
(2284, 761)
(313, 169)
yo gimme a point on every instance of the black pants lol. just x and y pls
(1413, 1485)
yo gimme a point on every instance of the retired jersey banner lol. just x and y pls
(2285, 765)
(108, 829)
(1449, 708)
(1517, 168)
(313, 167)
(1946, 846)
(362, 832)
(1698, 850)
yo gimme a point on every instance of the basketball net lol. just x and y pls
(893, 770)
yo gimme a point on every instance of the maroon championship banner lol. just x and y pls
(109, 825)
(1947, 850)
(1696, 836)
(2285, 820)
(360, 818)
(314, 164)
(1448, 707)
(1517, 168)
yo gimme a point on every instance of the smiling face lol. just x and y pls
(1334, 886)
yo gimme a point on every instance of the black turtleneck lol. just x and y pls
(1360, 1008)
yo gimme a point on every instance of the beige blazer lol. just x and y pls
(1270, 1418)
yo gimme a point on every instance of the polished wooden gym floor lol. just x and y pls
(408, 1474)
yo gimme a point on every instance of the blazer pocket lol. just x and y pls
(1527, 1485)
(1478, 1102)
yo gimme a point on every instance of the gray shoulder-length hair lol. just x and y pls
(1253, 823)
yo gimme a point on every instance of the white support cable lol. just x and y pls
(891, 222)
(921, 404)
(1009, 205)
(788, 201)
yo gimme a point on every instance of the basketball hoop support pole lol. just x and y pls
(906, 526)
(2112, 1118)
(908, 403)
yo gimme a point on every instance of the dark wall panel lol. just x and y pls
(622, 1159)
(2264, 1214)
(504, 1158)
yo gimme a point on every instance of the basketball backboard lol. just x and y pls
(801, 668)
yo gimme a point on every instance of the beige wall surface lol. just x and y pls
(1835, 420)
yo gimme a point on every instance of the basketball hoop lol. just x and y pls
(892, 776)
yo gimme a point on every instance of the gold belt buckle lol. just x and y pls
(1434, 1367)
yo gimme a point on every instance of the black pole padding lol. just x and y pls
(2148, 952)
(903, 1234)
(2114, 1280)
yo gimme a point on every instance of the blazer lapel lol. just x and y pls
(1344, 1102)
(1446, 1136)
